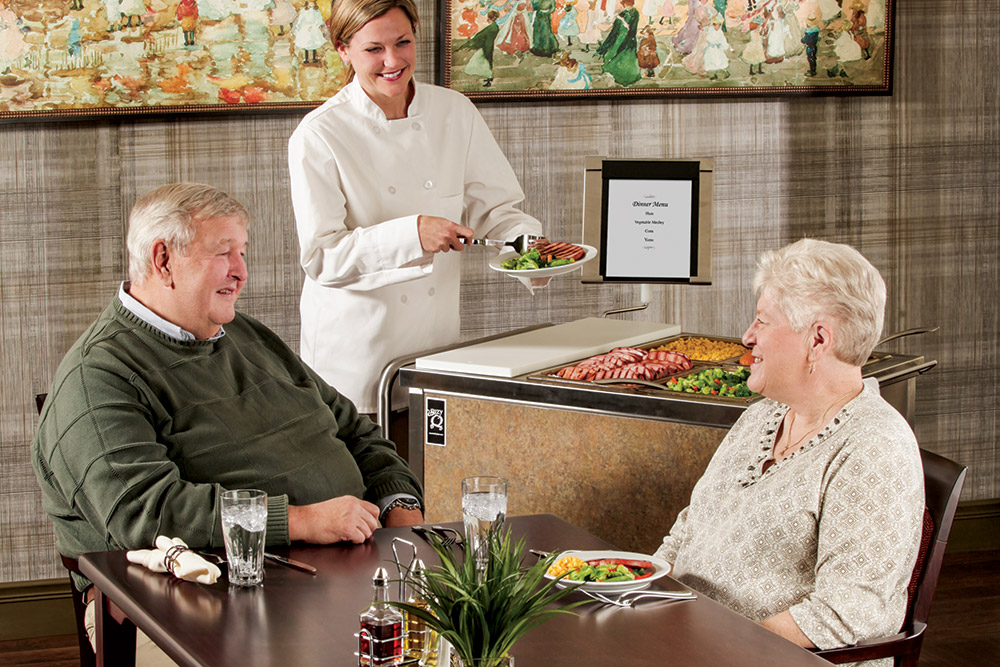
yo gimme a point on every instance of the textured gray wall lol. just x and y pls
(912, 180)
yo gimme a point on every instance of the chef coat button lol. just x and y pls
(428, 185)
(378, 130)
(415, 126)
(403, 298)
(392, 190)
(430, 292)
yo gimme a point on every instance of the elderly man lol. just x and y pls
(172, 396)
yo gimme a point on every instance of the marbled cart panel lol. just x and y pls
(623, 479)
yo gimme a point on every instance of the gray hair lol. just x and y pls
(171, 213)
(812, 279)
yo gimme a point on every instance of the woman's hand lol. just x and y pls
(441, 235)
(783, 624)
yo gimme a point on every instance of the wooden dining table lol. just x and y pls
(298, 620)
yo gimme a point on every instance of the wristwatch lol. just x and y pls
(405, 503)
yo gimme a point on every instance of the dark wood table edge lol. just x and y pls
(108, 629)
(119, 637)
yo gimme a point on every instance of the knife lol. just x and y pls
(289, 562)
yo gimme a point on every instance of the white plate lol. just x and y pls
(507, 253)
(661, 568)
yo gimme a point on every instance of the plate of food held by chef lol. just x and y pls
(544, 259)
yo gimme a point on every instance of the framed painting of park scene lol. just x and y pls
(109, 57)
(525, 49)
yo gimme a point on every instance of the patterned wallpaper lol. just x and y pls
(912, 180)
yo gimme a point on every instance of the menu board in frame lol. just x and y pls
(650, 220)
(552, 49)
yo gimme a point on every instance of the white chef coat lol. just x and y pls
(359, 182)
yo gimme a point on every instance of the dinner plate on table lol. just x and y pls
(508, 253)
(661, 568)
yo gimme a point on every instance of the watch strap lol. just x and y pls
(405, 503)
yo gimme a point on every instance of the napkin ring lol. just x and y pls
(170, 559)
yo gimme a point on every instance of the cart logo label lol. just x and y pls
(434, 418)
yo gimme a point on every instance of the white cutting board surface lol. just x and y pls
(550, 346)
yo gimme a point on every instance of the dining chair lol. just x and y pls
(122, 650)
(119, 638)
(943, 481)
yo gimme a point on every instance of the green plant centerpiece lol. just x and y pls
(482, 613)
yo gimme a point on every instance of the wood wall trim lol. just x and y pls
(41, 608)
(976, 527)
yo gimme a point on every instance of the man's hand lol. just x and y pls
(403, 517)
(441, 235)
(343, 519)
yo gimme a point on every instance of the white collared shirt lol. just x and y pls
(133, 306)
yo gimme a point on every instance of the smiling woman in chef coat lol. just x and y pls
(387, 177)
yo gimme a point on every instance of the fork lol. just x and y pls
(621, 601)
(520, 243)
(215, 559)
(663, 595)
(450, 535)
(602, 598)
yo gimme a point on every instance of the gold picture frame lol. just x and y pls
(87, 58)
(557, 49)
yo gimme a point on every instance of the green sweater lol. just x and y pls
(141, 433)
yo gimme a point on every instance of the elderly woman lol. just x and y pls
(808, 518)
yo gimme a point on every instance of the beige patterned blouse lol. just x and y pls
(830, 533)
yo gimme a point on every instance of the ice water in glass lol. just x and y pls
(484, 504)
(244, 520)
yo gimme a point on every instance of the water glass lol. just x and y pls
(244, 520)
(484, 504)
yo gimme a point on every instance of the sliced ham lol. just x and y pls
(628, 362)
(561, 250)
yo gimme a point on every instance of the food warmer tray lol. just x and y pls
(658, 386)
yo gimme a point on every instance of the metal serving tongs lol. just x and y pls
(521, 243)
(644, 383)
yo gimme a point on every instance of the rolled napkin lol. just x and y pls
(173, 555)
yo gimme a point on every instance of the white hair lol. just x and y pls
(810, 280)
(171, 213)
